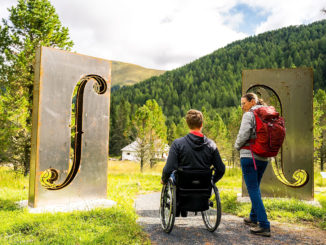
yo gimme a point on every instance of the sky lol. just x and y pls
(167, 34)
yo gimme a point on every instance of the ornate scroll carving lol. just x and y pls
(300, 176)
(49, 176)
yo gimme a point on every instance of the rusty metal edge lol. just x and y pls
(34, 166)
(66, 51)
(312, 144)
(108, 140)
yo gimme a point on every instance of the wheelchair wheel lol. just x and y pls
(168, 206)
(212, 216)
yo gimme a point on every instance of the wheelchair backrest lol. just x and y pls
(193, 189)
(194, 179)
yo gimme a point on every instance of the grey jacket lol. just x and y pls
(247, 131)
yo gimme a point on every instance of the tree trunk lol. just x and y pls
(141, 160)
(321, 163)
(141, 164)
(26, 158)
(233, 156)
(322, 153)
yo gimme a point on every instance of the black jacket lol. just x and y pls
(192, 151)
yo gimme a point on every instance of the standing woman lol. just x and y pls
(258, 218)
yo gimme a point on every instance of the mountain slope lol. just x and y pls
(129, 74)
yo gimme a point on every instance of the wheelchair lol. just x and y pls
(192, 190)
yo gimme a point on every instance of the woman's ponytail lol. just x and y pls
(261, 102)
(252, 96)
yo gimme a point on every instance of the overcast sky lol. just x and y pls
(166, 34)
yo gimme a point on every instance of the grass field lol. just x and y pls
(101, 226)
(283, 210)
(118, 225)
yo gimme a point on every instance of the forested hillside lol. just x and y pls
(213, 82)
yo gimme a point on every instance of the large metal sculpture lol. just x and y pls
(290, 91)
(70, 128)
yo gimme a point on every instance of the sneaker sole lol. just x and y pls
(266, 234)
(251, 224)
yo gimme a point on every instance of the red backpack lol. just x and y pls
(270, 132)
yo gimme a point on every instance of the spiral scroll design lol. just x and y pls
(49, 176)
(300, 176)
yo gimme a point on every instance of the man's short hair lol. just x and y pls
(194, 119)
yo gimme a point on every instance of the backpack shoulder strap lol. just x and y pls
(254, 126)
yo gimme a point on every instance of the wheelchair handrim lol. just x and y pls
(212, 216)
(166, 208)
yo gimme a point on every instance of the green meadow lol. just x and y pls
(118, 225)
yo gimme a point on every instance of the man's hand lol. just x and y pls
(162, 182)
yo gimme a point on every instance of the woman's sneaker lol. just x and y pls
(248, 221)
(260, 231)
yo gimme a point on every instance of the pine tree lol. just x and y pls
(121, 128)
(233, 128)
(157, 131)
(320, 127)
(172, 133)
(182, 128)
(141, 122)
(149, 122)
(32, 23)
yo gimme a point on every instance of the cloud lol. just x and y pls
(166, 34)
(290, 12)
(157, 34)
(5, 4)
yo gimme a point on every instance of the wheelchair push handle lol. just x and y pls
(173, 177)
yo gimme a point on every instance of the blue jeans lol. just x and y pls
(252, 179)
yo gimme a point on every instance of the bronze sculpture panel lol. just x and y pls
(70, 128)
(291, 173)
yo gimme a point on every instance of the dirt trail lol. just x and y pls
(191, 230)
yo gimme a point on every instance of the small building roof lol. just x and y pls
(131, 147)
(134, 147)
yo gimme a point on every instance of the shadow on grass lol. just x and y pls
(8, 205)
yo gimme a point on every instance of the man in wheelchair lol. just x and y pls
(193, 167)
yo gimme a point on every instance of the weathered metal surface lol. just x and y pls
(81, 169)
(291, 92)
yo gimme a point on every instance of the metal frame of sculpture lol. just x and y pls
(71, 98)
(290, 91)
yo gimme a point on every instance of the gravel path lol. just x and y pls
(191, 230)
